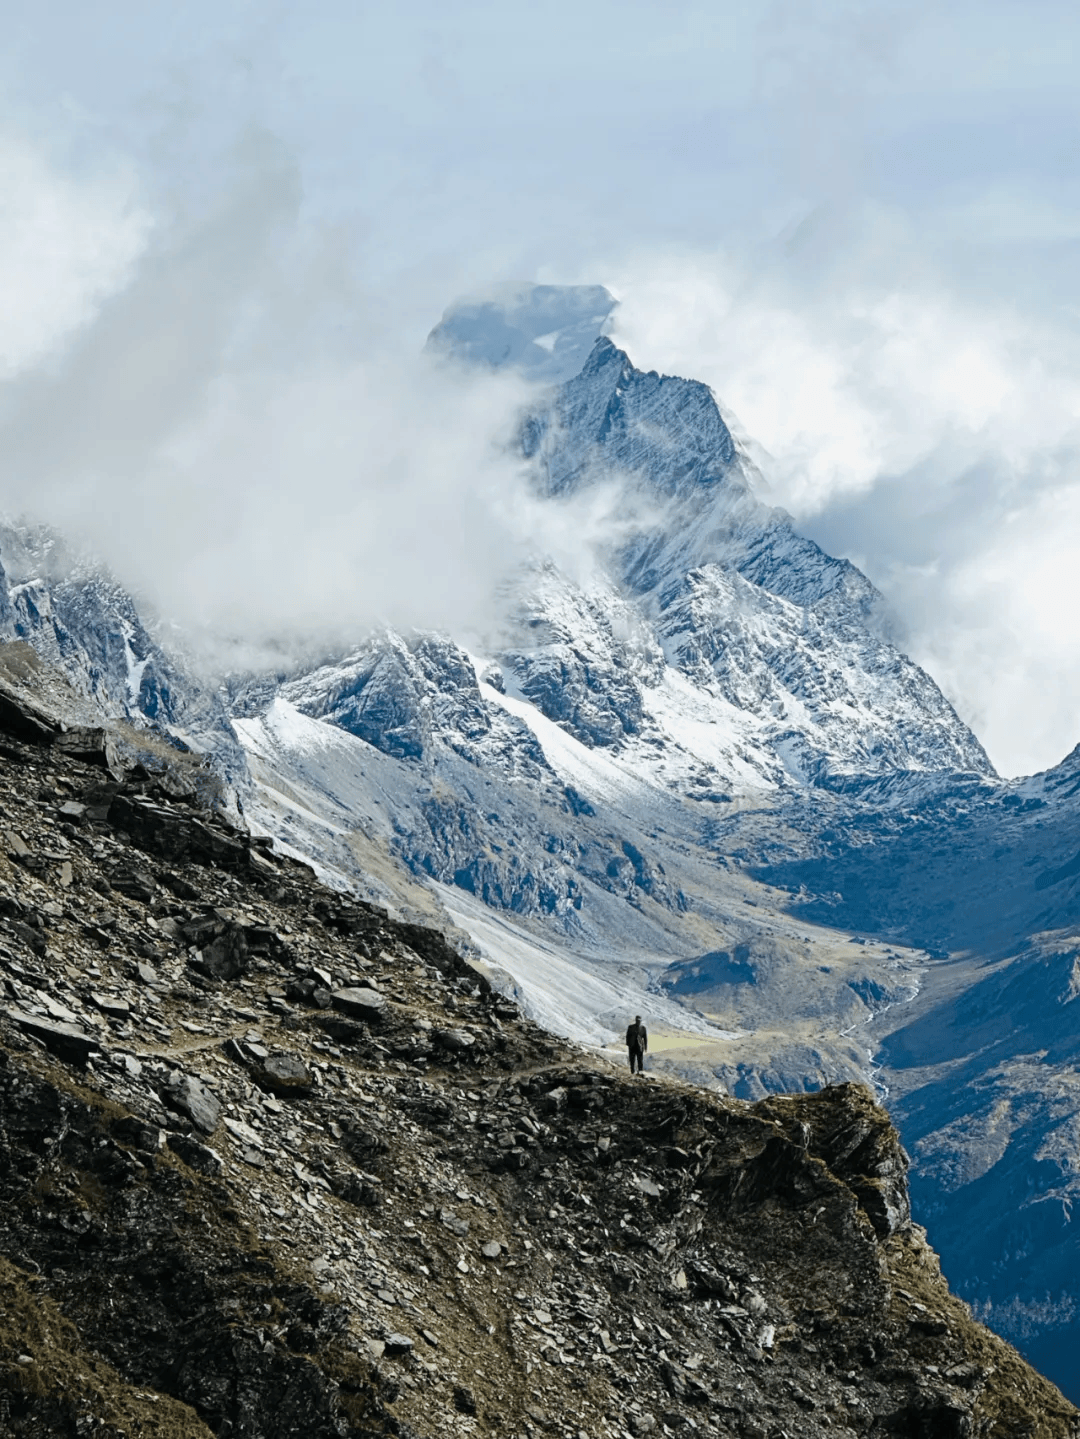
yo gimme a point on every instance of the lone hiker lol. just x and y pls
(637, 1042)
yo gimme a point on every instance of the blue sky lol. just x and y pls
(859, 222)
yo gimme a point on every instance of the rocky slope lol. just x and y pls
(272, 1162)
(983, 1080)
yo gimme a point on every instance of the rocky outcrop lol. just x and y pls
(613, 418)
(332, 1183)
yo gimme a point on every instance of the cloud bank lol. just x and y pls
(233, 430)
(66, 243)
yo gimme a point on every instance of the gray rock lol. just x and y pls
(673, 1378)
(449, 1220)
(188, 1096)
(301, 990)
(226, 956)
(282, 1074)
(33, 938)
(135, 884)
(111, 1006)
(398, 1344)
(66, 1041)
(345, 1031)
(455, 1040)
(464, 1400)
(366, 1004)
(491, 1250)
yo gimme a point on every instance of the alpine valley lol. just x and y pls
(696, 779)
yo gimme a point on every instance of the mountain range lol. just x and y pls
(699, 780)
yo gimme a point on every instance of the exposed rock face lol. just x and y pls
(408, 695)
(238, 1212)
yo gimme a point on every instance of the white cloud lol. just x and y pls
(66, 243)
(247, 446)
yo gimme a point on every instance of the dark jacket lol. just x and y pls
(637, 1037)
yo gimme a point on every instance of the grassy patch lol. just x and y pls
(44, 1369)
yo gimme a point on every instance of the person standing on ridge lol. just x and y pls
(637, 1042)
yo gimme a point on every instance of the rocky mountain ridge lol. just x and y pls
(273, 1162)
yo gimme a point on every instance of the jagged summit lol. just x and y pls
(611, 406)
(667, 435)
(545, 331)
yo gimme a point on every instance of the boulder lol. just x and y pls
(186, 1095)
(66, 1041)
(282, 1074)
(366, 1004)
(226, 954)
(455, 1040)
